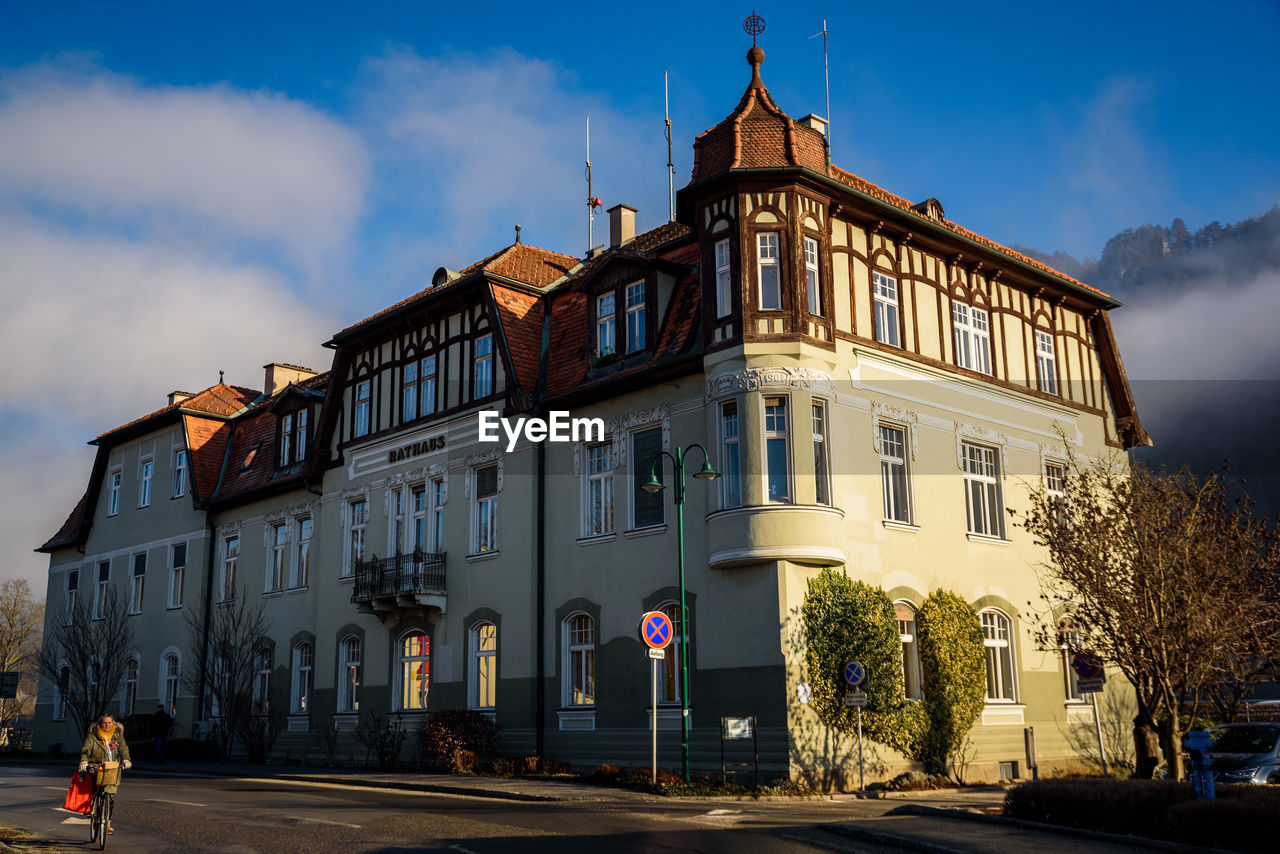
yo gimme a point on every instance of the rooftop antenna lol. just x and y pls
(592, 201)
(517, 233)
(219, 377)
(826, 74)
(671, 169)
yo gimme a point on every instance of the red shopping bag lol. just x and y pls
(79, 794)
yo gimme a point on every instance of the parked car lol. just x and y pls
(1246, 753)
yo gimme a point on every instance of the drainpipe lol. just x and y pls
(208, 611)
(540, 689)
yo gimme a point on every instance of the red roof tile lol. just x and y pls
(225, 400)
(252, 461)
(656, 237)
(520, 315)
(206, 443)
(66, 535)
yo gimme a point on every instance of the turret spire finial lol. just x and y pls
(754, 26)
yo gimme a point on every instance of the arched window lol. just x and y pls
(349, 674)
(303, 662)
(912, 688)
(484, 673)
(129, 698)
(262, 680)
(169, 688)
(414, 673)
(997, 630)
(669, 675)
(580, 660)
(1069, 643)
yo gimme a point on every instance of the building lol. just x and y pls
(876, 384)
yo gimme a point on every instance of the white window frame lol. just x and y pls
(730, 455)
(357, 519)
(983, 495)
(71, 595)
(912, 684)
(278, 542)
(170, 679)
(774, 433)
(179, 472)
(428, 367)
(598, 516)
(137, 582)
(177, 574)
(129, 696)
(724, 297)
(821, 427)
(303, 682)
(1046, 362)
(483, 694)
(300, 439)
(398, 529)
(146, 473)
(115, 481)
(483, 373)
(895, 472)
(768, 254)
(606, 325)
(1069, 643)
(669, 687)
(362, 413)
(230, 568)
(405, 701)
(579, 660)
(972, 332)
(1001, 662)
(812, 280)
(60, 690)
(637, 331)
(261, 696)
(437, 501)
(349, 674)
(887, 309)
(409, 391)
(286, 441)
(419, 504)
(300, 575)
(484, 517)
(100, 589)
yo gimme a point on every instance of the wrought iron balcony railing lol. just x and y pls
(399, 575)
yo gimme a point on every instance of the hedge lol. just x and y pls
(953, 672)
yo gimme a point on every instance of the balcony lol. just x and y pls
(403, 585)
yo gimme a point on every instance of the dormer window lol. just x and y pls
(293, 438)
(484, 367)
(419, 388)
(767, 269)
(811, 276)
(635, 317)
(605, 325)
(724, 299)
(364, 400)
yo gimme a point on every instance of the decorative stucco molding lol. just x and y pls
(619, 427)
(759, 379)
(898, 417)
(985, 437)
(473, 460)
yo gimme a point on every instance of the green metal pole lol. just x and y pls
(684, 619)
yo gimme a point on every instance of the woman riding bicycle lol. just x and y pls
(105, 743)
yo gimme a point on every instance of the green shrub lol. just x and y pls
(453, 739)
(847, 620)
(953, 673)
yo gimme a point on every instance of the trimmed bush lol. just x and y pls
(454, 739)
(953, 672)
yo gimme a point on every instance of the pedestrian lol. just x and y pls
(105, 743)
(161, 723)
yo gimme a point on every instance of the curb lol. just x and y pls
(1062, 830)
(886, 839)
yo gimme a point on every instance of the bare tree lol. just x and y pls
(21, 627)
(228, 633)
(1166, 580)
(86, 656)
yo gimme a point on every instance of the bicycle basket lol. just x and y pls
(108, 774)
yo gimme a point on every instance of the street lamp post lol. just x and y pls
(653, 486)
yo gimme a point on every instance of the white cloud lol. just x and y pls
(248, 166)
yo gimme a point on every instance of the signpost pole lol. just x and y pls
(861, 787)
(1097, 723)
(653, 662)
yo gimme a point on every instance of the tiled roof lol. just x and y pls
(225, 400)
(253, 442)
(520, 315)
(656, 237)
(66, 535)
(206, 443)
(519, 261)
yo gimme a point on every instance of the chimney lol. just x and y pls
(816, 122)
(279, 376)
(179, 396)
(622, 225)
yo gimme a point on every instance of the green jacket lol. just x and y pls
(115, 749)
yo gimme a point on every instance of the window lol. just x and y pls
(179, 472)
(997, 633)
(886, 291)
(911, 686)
(293, 438)
(145, 470)
(130, 698)
(303, 662)
(894, 484)
(364, 401)
(437, 515)
(767, 270)
(730, 465)
(72, 597)
(1069, 643)
(286, 440)
(113, 493)
(484, 366)
(60, 694)
(484, 656)
(604, 325)
(982, 490)
(418, 505)
(821, 462)
(415, 672)
(275, 560)
(724, 297)
(300, 436)
(100, 592)
(1055, 487)
(599, 490)
(777, 454)
(580, 661)
(811, 285)
(635, 317)
(398, 521)
(137, 583)
(177, 574)
(302, 554)
(230, 564)
(358, 510)
(669, 678)
(973, 337)
(409, 403)
(427, 386)
(1046, 362)
(261, 697)
(647, 508)
(349, 675)
(486, 519)
(169, 688)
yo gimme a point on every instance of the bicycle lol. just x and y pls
(103, 802)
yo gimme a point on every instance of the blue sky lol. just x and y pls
(193, 187)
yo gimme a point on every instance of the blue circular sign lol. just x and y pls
(1086, 664)
(655, 629)
(855, 673)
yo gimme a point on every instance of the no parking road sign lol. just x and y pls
(855, 673)
(1089, 670)
(655, 629)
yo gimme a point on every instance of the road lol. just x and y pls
(165, 813)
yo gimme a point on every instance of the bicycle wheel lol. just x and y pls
(96, 826)
(103, 832)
